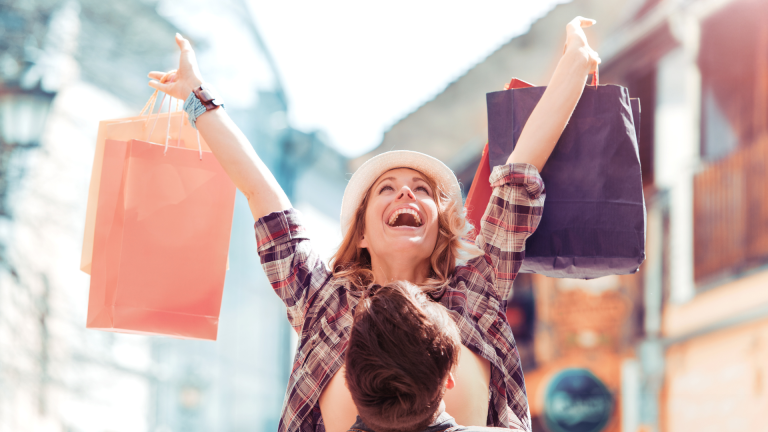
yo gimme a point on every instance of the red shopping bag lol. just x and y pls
(161, 238)
(479, 194)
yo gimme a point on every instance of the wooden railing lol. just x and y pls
(731, 213)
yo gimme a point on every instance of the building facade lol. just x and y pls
(92, 58)
(680, 345)
(707, 292)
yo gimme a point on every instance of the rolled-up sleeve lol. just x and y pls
(295, 271)
(512, 215)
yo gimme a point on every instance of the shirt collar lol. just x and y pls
(441, 423)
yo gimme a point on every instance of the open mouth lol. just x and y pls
(405, 218)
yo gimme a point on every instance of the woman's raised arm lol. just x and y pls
(548, 119)
(227, 142)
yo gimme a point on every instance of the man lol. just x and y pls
(402, 349)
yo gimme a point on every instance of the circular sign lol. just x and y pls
(577, 401)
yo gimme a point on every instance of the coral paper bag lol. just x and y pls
(161, 238)
(154, 128)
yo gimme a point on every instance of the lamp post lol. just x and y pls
(23, 113)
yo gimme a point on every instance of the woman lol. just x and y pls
(402, 219)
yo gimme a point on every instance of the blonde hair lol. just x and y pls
(354, 263)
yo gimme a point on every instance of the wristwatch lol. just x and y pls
(208, 97)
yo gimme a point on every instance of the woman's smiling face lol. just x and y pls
(401, 217)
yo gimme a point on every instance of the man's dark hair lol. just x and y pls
(401, 349)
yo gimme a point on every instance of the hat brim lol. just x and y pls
(373, 168)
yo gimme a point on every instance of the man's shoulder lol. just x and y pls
(359, 426)
(444, 423)
(476, 429)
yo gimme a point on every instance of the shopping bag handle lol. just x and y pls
(517, 83)
(152, 99)
(151, 104)
(595, 78)
(181, 124)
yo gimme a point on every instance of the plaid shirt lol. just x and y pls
(320, 307)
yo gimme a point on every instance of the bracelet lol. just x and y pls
(194, 108)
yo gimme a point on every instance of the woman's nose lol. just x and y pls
(405, 191)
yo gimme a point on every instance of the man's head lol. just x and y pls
(402, 350)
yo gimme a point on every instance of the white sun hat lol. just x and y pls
(374, 167)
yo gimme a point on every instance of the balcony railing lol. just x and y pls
(731, 213)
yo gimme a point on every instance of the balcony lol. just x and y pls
(731, 214)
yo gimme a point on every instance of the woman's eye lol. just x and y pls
(423, 188)
(385, 188)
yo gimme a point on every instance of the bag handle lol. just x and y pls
(153, 98)
(595, 78)
(159, 108)
(151, 104)
(150, 101)
(517, 83)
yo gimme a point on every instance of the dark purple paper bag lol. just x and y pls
(594, 215)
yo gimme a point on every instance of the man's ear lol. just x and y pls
(450, 382)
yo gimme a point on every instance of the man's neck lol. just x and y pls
(440, 418)
(440, 410)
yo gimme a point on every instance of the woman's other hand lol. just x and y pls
(179, 83)
(548, 119)
(576, 41)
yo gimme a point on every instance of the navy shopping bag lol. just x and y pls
(593, 223)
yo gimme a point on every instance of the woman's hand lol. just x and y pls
(576, 41)
(548, 119)
(181, 82)
(227, 142)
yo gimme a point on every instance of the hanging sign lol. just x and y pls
(577, 401)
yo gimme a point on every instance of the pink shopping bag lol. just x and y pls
(161, 238)
(172, 127)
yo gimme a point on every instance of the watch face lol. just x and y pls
(208, 94)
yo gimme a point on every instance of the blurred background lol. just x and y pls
(319, 88)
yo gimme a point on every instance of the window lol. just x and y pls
(733, 59)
